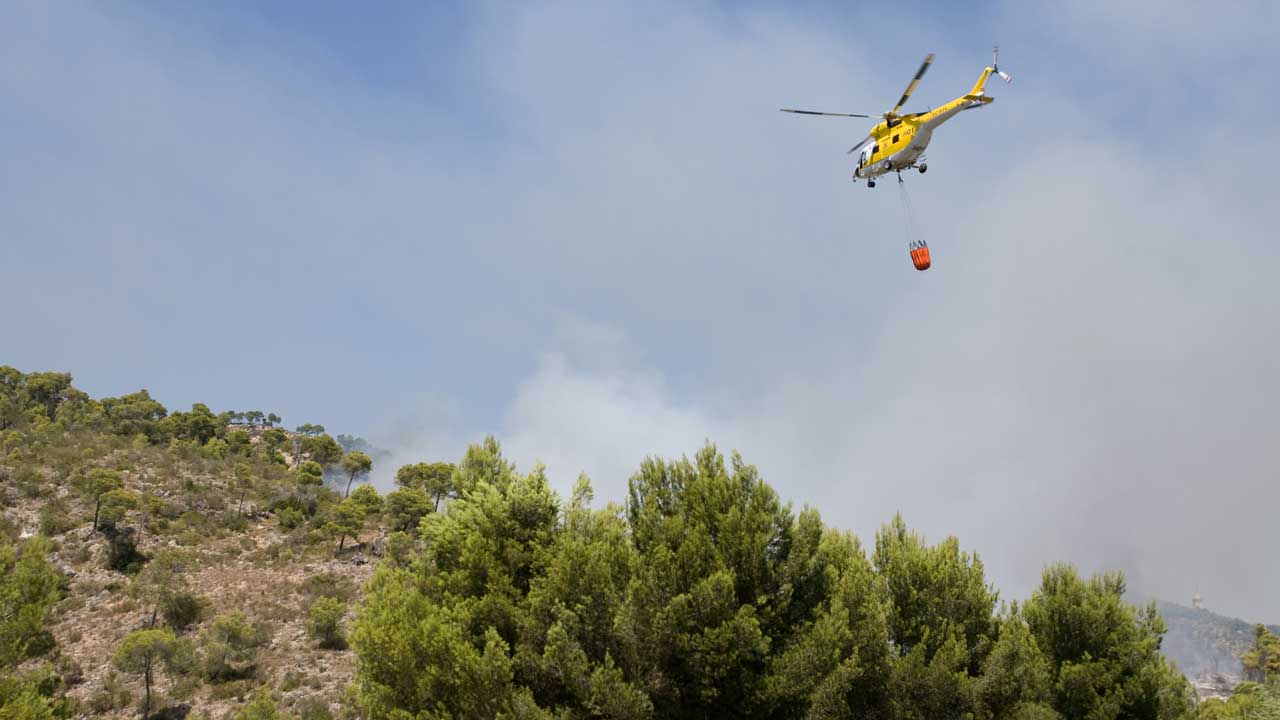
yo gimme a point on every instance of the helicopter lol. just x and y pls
(898, 142)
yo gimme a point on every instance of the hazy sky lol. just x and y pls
(586, 229)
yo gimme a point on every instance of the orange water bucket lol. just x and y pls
(919, 254)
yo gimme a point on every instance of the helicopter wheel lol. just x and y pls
(871, 183)
(923, 168)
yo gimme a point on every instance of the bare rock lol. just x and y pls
(1214, 685)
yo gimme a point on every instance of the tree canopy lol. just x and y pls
(434, 479)
(706, 596)
(355, 464)
(142, 652)
(28, 591)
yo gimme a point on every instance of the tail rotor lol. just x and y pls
(995, 56)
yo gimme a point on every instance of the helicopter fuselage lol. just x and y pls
(899, 143)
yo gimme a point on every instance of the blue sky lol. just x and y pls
(586, 228)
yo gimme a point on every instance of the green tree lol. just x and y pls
(47, 390)
(355, 464)
(324, 622)
(162, 583)
(143, 652)
(215, 449)
(94, 485)
(239, 443)
(435, 479)
(705, 597)
(1263, 659)
(405, 508)
(28, 592)
(21, 699)
(309, 475)
(243, 474)
(150, 509)
(322, 449)
(229, 646)
(483, 463)
(1104, 654)
(714, 543)
(838, 665)
(274, 438)
(135, 414)
(199, 425)
(367, 497)
(934, 592)
(1015, 675)
(12, 397)
(347, 520)
(114, 504)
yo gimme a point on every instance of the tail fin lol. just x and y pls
(979, 86)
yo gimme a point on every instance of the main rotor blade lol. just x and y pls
(924, 67)
(814, 112)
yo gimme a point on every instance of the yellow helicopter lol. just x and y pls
(898, 142)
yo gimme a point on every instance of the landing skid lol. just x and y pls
(922, 167)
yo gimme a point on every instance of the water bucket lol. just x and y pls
(919, 254)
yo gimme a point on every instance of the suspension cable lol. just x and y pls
(916, 245)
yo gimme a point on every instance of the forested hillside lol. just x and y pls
(198, 564)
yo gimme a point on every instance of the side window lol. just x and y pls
(895, 138)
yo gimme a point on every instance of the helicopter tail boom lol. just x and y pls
(981, 85)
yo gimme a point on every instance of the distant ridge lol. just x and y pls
(1201, 641)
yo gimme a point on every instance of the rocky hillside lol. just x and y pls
(221, 533)
(1207, 646)
(1202, 641)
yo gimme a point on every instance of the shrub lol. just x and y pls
(400, 548)
(261, 708)
(194, 520)
(313, 707)
(234, 523)
(9, 528)
(324, 622)
(55, 519)
(111, 695)
(181, 610)
(123, 555)
(230, 645)
(29, 482)
(292, 681)
(328, 585)
(230, 690)
(69, 670)
(289, 518)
